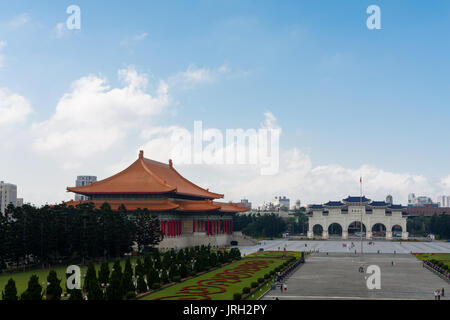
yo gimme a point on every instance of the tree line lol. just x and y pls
(422, 226)
(149, 272)
(61, 234)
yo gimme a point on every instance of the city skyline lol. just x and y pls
(349, 101)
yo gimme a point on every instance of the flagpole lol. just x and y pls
(360, 206)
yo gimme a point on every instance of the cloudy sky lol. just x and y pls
(349, 101)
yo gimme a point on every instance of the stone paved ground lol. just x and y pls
(336, 246)
(336, 276)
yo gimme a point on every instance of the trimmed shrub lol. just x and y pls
(246, 290)
(237, 296)
(130, 295)
(177, 278)
(156, 286)
(254, 284)
(261, 280)
(267, 276)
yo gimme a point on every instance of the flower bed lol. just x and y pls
(223, 283)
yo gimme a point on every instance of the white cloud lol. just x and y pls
(59, 30)
(14, 108)
(94, 117)
(194, 75)
(19, 20)
(129, 40)
(141, 36)
(298, 178)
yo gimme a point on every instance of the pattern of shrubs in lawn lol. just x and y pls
(227, 282)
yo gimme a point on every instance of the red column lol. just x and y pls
(168, 228)
(207, 227)
(162, 227)
(193, 225)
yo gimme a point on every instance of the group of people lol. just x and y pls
(438, 293)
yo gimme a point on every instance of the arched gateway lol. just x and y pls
(378, 217)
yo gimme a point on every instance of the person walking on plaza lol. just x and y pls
(443, 292)
(281, 287)
(435, 295)
(285, 287)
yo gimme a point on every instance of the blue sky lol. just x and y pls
(342, 94)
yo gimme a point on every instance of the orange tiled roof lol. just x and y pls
(196, 206)
(151, 205)
(146, 176)
(230, 207)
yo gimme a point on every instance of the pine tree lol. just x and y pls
(164, 277)
(91, 274)
(114, 290)
(76, 294)
(103, 274)
(54, 289)
(91, 284)
(141, 285)
(34, 290)
(10, 293)
(153, 277)
(127, 279)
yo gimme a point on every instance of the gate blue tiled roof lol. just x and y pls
(356, 199)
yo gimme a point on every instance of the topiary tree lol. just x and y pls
(164, 277)
(103, 274)
(34, 289)
(127, 278)
(141, 284)
(114, 290)
(54, 289)
(76, 294)
(10, 293)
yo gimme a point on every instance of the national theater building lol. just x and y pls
(346, 216)
(189, 215)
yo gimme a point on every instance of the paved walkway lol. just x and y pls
(336, 276)
(337, 246)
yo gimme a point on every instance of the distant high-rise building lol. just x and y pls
(443, 201)
(298, 204)
(8, 195)
(412, 199)
(246, 204)
(419, 201)
(84, 181)
(389, 199)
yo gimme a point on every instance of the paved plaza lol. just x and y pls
(337, 246)
(331, 271)
(336, 276)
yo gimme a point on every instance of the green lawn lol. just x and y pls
(175, 292)
(444, 257)
(22, 278)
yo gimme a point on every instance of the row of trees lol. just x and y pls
(60, 234)
(154, 270)
(438, 225)
(256, 225)
(271, 225)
